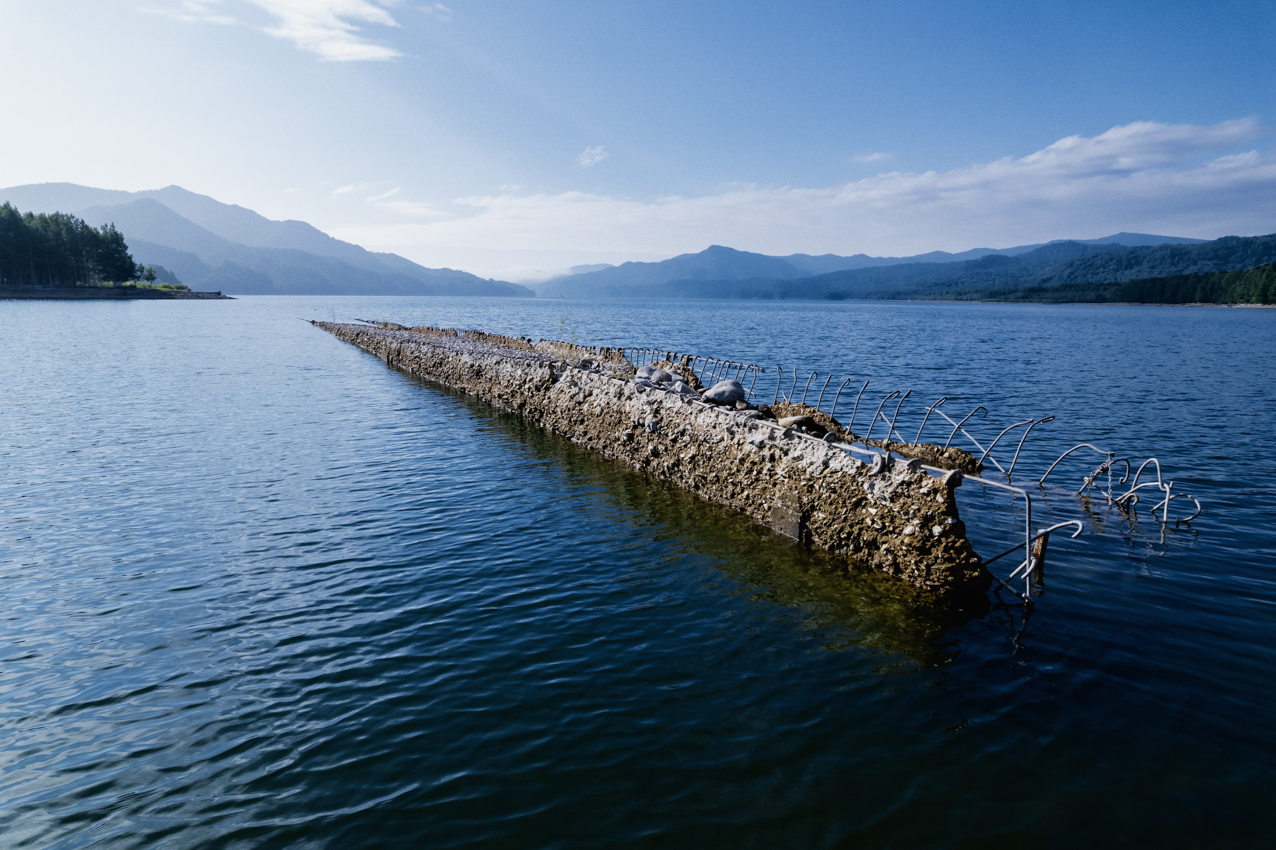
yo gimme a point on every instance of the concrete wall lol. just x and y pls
(891, 517)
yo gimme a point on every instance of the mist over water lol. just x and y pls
(263, 591)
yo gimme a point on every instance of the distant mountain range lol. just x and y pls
(214, 246)
(720, 272)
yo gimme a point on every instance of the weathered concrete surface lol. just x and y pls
(892, 517)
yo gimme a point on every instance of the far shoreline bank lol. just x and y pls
(104, 293)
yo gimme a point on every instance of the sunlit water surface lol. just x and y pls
(260, 590)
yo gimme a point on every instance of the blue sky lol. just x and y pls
(515, 139)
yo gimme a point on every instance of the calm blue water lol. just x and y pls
(262, 591)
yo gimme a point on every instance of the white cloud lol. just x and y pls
(592, 156)
(415, 209)
(193, 12)
(341, 191)
(384, 195)
(1181, 180)
(329, 28)
(324, 27)
(872, 157)
(438, 11)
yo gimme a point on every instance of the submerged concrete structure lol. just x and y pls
(881, 513)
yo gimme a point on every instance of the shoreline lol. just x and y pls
(1086, 303)
(105, 293)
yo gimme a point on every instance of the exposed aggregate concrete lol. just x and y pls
(893, 517)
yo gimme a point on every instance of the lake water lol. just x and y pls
(261, 590)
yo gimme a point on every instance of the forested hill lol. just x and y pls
(1055, 264)
(60, 250)
(1247, 286)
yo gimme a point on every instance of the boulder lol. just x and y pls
(682, 389)
(660, 376)
(805, 424)
(725, 392)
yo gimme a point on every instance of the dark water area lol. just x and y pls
(261, 590)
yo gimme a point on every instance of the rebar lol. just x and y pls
(957, 425)
(792, 389)
(1109, 455)
(929, 410)
(822, 389)
(838, 396)
(851, 427)
(808, 386)
(891, 430)
(873, 423)
(1026, 432)
(779, 379)
(988, 450)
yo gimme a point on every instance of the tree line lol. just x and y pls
(1246, 286)
(57, 249)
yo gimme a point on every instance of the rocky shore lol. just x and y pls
(785, 471)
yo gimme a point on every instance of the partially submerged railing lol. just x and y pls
(1030, 570)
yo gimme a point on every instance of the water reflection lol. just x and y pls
(848, 607)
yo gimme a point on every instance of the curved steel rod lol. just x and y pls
(1041, 532)
(1144, 466)
(929, 410)
(807, 388)
(873, 423)
(754, 381)
(839, 395)
(851, 428)
(999, 436)
(1028, 431)
(1135, 485)
(1110, 455)
(792, 389)
(1194, 499)
(957, 425)
(822, 389)
(1130, 494)
(891, 430)
(1165, 514)
(779, 378)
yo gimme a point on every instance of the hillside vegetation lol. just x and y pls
(58, 250)
(1246, 286)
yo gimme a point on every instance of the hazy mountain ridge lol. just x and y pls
(211, 245)
(711, 269)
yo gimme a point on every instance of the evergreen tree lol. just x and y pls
(60, 250)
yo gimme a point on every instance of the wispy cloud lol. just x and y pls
(1182, 180)
(438, 11)
(872, 157)
(343, 190)
(325, 27)
(329, 28)
(390, 194)
(592, 156)
(192, 12)
(416, 209)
